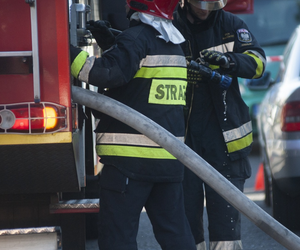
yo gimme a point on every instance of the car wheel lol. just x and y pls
(285, 208)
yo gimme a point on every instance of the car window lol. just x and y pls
(273, 21)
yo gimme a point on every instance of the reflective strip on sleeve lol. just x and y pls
(239, 138)
(78, 63)
(167, 92)
(260, 61)
(223, 48)
(132, 151)
(85, 71)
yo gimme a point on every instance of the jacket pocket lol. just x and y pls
(112, 179)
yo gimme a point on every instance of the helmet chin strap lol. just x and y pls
(129, 14)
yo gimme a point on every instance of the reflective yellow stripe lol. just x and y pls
(238, 138)
(162, 72)
(78, 63)
(238, 133)
(131, 151)
(259, 62)
(167, 92)
(239, 144)
(214, 67)
(17, 139)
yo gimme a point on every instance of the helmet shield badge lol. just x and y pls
(208, 4)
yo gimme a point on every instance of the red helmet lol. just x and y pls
(160, 8)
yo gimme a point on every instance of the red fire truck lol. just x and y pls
(48, 165)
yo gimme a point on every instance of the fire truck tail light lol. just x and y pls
(50, 116)
(7, 119)
(32, 118)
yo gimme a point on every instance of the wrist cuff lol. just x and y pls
(78, 63)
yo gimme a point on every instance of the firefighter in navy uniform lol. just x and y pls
(218, 121)
(146, 70)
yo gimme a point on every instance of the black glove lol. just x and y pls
(101, 32)
(215, 58)
(198, 71)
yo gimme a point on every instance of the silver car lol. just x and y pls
(279, 138)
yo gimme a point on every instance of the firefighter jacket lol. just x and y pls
(226, 33)
(149, 75)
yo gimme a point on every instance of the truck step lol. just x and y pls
(46, 238)
(75, 206)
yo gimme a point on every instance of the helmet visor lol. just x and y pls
(208, 4)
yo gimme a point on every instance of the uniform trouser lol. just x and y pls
(121, 202)
(224, 222)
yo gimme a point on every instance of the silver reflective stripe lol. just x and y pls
(226, 47)
(85, 71)
(127, 139)
(163, 60)
(238, 133)
(222, 245)
(201, 246)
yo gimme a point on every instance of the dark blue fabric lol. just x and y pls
(121, 202)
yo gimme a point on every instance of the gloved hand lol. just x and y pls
(215, 58)
(78, 59)
(100, 31)
(197, 72)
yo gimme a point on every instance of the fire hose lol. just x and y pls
(191, 160)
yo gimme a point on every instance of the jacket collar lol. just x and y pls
(165, 27)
